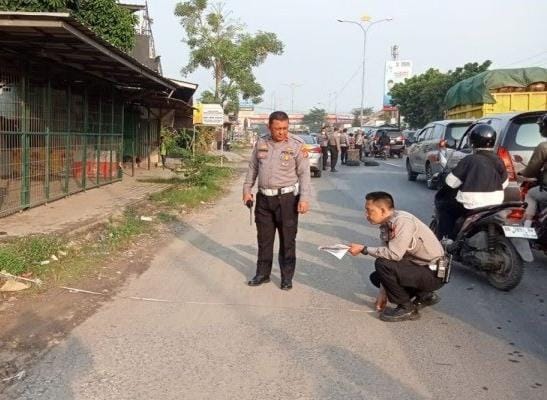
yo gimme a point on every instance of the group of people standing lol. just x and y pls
(337, 142)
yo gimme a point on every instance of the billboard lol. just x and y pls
(395, 72)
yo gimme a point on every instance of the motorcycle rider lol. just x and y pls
(537, 168)
(383, 141)
(477, 181)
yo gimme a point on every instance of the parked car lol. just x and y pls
(396, 143)
(423, 155)
(314, 154)
(517, 135)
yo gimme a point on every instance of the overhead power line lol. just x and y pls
(525, 59)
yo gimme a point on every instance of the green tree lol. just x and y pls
(106, 18)
(421, 98)
(220, 43)
(368, 111)
(110, 21)
(315, 119)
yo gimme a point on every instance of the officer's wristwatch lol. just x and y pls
(364, 251)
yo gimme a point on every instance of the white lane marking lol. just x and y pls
(393, 165)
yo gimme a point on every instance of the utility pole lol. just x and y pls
(293, 87)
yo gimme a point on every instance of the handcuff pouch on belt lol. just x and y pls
(442, 267)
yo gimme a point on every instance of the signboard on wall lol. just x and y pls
(395, 72)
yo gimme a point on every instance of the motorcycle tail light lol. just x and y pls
(503, 153)
(516, 214)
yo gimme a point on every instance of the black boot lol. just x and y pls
(426, 300)
(403, 312)
(258, 280)
(286, 284)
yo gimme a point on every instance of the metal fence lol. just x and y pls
(56, 138)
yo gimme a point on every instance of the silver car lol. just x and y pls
(423, 155)
(315, 155)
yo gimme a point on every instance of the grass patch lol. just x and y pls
(165, 217)
(119, 232)
(26, 254)
(203, 186)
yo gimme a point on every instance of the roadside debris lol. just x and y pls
(12, 285)
(4, 274)
(147, 219)
(20, 375)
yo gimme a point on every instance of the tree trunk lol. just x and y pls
(218, 80)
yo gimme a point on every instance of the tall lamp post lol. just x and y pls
(364, 27)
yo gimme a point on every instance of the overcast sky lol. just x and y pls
(323, 55)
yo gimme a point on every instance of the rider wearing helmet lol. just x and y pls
(477, 181)
(537, 168)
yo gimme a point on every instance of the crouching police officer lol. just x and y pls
(280, 162)
(407, 265)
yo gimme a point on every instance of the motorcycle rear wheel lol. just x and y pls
(510, 274)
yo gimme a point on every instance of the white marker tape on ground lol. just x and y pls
(203, 303)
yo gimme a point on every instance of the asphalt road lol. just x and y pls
(216, 338)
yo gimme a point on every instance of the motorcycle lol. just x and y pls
(491, 240)
(381, 151)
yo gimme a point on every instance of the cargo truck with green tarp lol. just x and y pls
(498, 91)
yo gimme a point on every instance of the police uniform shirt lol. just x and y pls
(334, 139)
(344, 139)
(278, 165)
(405, 236)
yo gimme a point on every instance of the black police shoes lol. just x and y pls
(258, 280)
(400, 313)
(286, 285)
(426, 300)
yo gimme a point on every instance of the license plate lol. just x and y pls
(520, 232)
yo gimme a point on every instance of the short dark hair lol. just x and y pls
(278, 116)
(381, 197)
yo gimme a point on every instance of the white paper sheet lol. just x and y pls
(337, 250)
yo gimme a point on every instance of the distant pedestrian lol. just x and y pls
(324, 143)
(344, 146)
(334, 148)
(280, 163)
(163, 151)
(359, 143)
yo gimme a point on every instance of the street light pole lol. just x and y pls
(365, 31)
(293, 86)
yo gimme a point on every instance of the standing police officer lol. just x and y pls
(334, 148)
(280, 162)
(324, 142)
